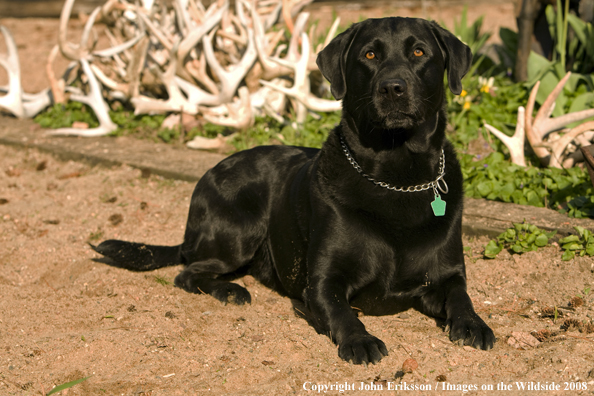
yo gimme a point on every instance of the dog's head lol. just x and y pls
(390, 71)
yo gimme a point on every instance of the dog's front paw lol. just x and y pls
(362, 349)
(471, 330)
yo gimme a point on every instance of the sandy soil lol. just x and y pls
(64, 317)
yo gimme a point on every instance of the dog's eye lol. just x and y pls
(419, 52)
(370, 55)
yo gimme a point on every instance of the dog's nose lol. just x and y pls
(393, 87)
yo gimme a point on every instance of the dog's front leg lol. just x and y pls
(326, 298)
(466, 327)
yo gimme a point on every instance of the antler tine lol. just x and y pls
(240, 38)
(84, 40)
(184, 21)
(240, 115)
(197, 69)
(301, 90)
(286, 12)
(197, 96)
(542, 124)
(559, 122)
(165, 42)
(108, 82)
(298, 6)
(95, 100)
(136, 65)
(558, 146)
(515, 143)
(532, 134)
(547, 107)
(239, 12)
(231, 79)
(193, 38)
(109, 52)
(309, 101)
(57, 86)
(176, 101)
(270, 70)
(69, 50)
(13, 100)
(33, 104)
(331, 32)
(273, 17)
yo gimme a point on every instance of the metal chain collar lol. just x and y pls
(420, 187)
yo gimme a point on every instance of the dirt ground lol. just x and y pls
(64, 317)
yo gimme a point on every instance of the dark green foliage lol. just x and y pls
(522, 238)
(581, 244)
(566, 190)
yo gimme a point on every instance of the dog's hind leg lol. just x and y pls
(203, 277)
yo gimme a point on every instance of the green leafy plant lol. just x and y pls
(494, 100)
(581, 244)
(63, 115)
(162, 280)
(572, 52)
(471, 35)
(522, 238)
(492, 177)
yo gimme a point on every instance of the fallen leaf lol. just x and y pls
(410, 365)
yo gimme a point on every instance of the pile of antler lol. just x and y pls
(551, 143)
(182, 58)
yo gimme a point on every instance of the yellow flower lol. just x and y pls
(487, 84)
(463, 93)
(466, 105)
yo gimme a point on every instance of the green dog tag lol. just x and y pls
(438, 206)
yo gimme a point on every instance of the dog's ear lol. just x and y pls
(457, 55)
(332, 61)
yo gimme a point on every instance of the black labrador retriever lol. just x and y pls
(371, 221)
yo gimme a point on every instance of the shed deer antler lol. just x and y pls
(13, 100)
(94, 99)
(515, 143)
(17, 102)
(537, 129)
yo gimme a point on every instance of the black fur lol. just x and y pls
(305, 223)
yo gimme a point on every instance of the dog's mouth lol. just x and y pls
(396, 119)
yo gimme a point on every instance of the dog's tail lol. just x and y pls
(138, 256)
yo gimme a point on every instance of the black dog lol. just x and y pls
(361, 222)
